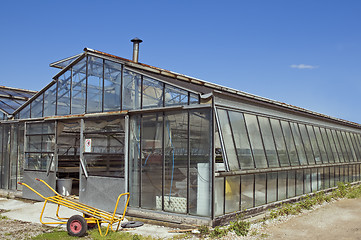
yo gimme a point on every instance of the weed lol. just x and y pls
(240, 227)
(203, 230)
(218, 232)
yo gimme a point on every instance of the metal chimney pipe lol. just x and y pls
(136, 42)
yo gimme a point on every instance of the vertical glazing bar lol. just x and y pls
(141, 91)
(189, 159)
(56, 96)
(56, 147)
(86, 84)
(71, 90)
(103, 90)
(126, 156)
(121, 87)
(42, 111)
(213, 157)
(163, 159)
(140, 159)
(254, 190)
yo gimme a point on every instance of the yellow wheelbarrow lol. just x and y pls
(77, 225)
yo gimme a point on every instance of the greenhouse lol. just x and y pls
(187, 150)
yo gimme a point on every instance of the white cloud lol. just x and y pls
(303, 66)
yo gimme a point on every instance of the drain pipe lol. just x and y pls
(136, 42)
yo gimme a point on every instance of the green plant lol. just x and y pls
(240, 227)
(203, 230)
(218, 232)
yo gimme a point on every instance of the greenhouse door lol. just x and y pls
(104, 151)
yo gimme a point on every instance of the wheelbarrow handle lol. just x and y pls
(32, 189)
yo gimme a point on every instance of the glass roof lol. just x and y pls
(12, 98)
(64, 62)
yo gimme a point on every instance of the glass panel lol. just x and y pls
(333, 145)
(193, 98)
(175, 96)
(268, 141)
(5, 164)
(271, 187)
(21, 153)
(280, 143)
(315, 148)
(50, 101)
(321, 179)
(314, 179)
(307, 181)
(152, 161)
(337, 175)
(106, 156)
(134, 160)
(291, 183)
(256, 141)
(282, 185)
(326, 178)
(332, 176)
(241, 140)
(152, 93)
(94, 85)
(343, 147)
(64, 86)
(176, 158)
(228, 139)
(247, 191)
(232, 194)
(112, 86)
(338, 145)
(37, 107)
(219, 196)
(327, 145)
(356, 146)
(347, 146)
(321, 145)
(260, 189)
(299, 145)
(200, 159)
(79, 87)
(131, 90)
(350, 144)
(299, 182)
(25, 113)
(290, 143)
(40, 146)
(307, 144)
(219, 161)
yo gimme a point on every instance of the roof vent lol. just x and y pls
(136, 42)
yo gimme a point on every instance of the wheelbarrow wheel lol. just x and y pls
(76, 226)
(91, 225)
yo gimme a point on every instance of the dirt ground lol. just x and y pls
(336, 220)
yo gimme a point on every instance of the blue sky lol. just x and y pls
(305, 53)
